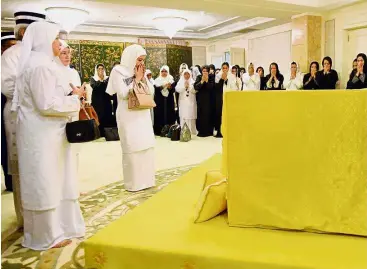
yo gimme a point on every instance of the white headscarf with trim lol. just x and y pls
(127, 64)
(128, 60)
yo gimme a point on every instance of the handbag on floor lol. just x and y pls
(185, 135)
(169, 135)
(140, 97)
(165, 130)
(176, 131)
(112, 134)
(88, 110)
(82, 130)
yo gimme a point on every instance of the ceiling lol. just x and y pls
(207, 19)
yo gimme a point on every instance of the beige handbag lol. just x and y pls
(140, 97)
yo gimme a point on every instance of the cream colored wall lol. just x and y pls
(347, 18)
(219, 47)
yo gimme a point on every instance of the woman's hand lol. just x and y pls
(139, 72)
(78, 91)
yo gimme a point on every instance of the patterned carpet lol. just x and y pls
(100, 208)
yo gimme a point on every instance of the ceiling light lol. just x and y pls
(170, 25)
(67, 17)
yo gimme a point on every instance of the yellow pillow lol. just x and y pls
(212, 201)
(213, 177)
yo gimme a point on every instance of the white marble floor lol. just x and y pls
(100, 165)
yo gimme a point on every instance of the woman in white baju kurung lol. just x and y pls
(294, 80)
(187, 101)
(69, 75)
(52, 213)
(251, 80)
(134, 126)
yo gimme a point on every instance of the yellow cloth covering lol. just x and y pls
(297, 160)
(160, 234)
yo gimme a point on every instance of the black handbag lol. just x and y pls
(82, 130)
(169, 135)
(112, 134)
(165, 130)
(176, 133)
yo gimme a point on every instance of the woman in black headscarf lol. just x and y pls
(212, 69)
(358, 77)
(261, 72)
(274, 81)
(204, 85)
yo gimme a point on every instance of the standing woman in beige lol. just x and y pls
(134, 126)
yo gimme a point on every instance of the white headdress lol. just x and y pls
(36, 51)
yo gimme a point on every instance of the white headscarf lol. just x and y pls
(181, 82)
(66, 74)
(195, 72)
(128, 60)
(96, 77)
(230, 76)
(36, 51)
(127, 65)
(161, 81)
(150, 81)
(183, 67)
(147, 72)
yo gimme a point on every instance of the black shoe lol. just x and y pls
(8, 183)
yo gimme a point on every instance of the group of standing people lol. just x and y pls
(325, 78)
(36, 80)
(200, 91)
(188, 100)
(44, 94)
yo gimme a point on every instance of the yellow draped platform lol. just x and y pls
(160, 234)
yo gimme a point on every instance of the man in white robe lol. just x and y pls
(9, 63)
(52, 214)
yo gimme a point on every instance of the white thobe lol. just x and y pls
(293, 84)
(136, 136)
(188, 106)
(251, 83)
(49, 194)
(9, 62)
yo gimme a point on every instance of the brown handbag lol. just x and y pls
(88, 109)
(140, 97)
